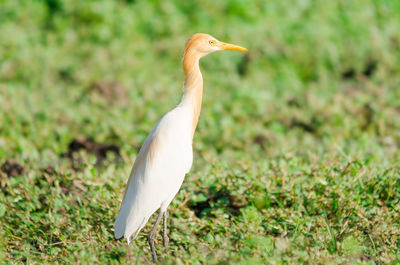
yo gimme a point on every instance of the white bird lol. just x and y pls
(166, 155)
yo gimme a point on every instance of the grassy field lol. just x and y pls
(297, 152)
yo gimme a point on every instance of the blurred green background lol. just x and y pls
(296, 152)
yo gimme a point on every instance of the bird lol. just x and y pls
(166, 155)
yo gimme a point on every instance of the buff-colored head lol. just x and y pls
(203, 44)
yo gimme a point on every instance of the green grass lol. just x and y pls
(296, 153)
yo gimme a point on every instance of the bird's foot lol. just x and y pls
(165, 240)
(152, 247)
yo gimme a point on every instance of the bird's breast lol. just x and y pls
(174, 141)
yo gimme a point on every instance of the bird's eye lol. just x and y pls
(212, 42)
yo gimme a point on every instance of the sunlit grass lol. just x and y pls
(296, 152)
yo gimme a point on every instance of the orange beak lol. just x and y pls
(232, 47)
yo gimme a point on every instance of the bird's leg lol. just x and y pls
(165, 232)
(128, 250)
(150, 237)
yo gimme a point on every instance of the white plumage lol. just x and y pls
(153, 185)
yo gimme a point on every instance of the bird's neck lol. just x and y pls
(193, 86)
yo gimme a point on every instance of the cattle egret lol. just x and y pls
(166, 155)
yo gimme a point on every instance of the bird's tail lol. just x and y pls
(128, 224)
(121, 229)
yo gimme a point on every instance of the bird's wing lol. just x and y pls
(157, 174)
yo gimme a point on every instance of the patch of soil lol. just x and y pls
(260, 140)
(100, 150)
(61, 211)
(43, 201)
(48, 178)
(223, 198)
(66, 75)
(50, 171)
(113, 92)
(311, 126)
(293, 102)
(349, 74)
(368, 71)
(66, 186)
(274, 232)
(10, 168)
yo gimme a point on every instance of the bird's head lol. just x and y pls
(203, 44)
